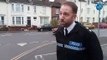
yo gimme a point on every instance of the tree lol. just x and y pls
(54, 23)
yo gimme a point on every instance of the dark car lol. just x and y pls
(45, 27)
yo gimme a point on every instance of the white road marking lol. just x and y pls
(6, 35)
(31, 50)
(47, 54)
(39, 56)
(104, 45)
(21, 44)
(34, 42)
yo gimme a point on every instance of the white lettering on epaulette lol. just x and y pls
(59, 44)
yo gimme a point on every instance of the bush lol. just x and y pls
(3, 28)
(54, 23)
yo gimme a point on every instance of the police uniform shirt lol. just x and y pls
(79, 44)
(70, 28)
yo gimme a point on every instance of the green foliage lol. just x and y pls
(3, 28)
(54, 23)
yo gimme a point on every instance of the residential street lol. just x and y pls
(35, 45)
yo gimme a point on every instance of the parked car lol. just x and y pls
(103, 25)
(45, 27)
(89, 25)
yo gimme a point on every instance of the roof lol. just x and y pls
(43, 2)
(19, 1)
(56, 4)
(35, 2)
(3, 0)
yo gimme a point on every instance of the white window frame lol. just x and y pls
(44, 20)
(18, 22)
(1, 20)
(17, 7)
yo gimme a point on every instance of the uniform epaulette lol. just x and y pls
(90, 30)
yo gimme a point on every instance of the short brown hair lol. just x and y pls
(72, 5)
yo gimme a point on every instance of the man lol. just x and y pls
(74, 41)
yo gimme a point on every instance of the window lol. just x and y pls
(81, 10)
(41, 20)
(34, 18)
(88, 2)
(28, 8)
(44, 20)
(43, 10)
(28, 18)
(1, 20)
(22, 20)
(57, 11)
(94, 11)
(88, 18)
(17, 20)
(75, 1)
(93, 19)
(81, 19)
(34, 9)
(12, 7)
(88, 10)
(13, 20)
(17, 8)
(22, 8)
(103, 12)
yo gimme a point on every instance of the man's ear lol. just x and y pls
(75, 15)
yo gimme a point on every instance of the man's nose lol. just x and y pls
(61, 16)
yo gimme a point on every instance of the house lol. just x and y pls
(87, 11)
(21, 13)
(55, 8)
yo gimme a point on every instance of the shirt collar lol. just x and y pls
(70, 27)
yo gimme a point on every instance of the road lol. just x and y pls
(15, 43)
(35, 45)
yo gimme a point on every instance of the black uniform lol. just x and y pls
(79, 44)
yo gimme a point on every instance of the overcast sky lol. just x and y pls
(104, 0)
(51, 0)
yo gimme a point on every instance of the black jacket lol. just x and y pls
(79, 44)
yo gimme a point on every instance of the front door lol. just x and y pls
(29, 21)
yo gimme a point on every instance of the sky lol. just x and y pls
(51, 0)
(104, 0)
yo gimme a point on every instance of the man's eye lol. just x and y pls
(66, 14)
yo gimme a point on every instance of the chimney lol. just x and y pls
(30, 1)
(7, 1)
